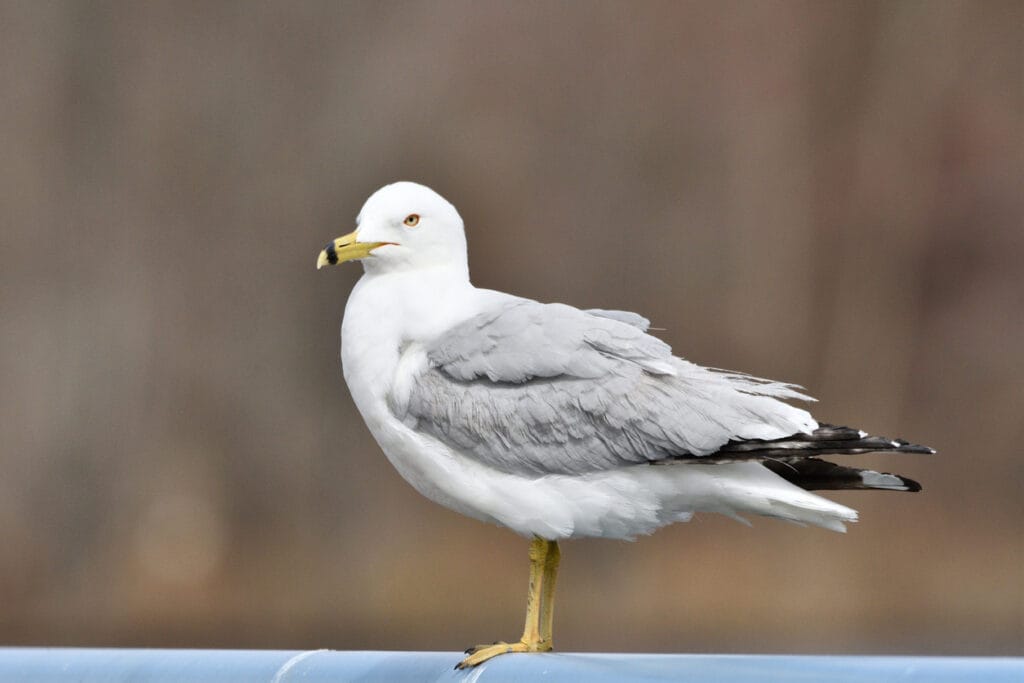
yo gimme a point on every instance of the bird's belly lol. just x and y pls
(617, 503)
(621, 503)
(427, 465)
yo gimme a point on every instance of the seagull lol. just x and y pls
(561, 423)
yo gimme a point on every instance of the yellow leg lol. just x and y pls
(539, 608)
(547, 613)
(538, 558)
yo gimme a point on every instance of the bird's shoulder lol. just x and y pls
(513, 339)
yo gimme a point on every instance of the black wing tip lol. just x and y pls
(826, 431)
(826, 439)
(912, 486)
(907, 447)
(815, 474)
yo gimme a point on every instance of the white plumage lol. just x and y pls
(561, 423)
(544, 418)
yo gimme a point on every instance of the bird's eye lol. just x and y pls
(412, 220)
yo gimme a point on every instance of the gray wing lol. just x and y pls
(628, 317)
(547, 388)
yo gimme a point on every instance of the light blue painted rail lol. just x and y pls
(55, 665)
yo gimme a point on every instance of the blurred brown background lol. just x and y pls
(826, 193)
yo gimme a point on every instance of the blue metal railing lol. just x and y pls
(55, 665)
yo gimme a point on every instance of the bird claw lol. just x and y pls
(481, 653)
(475, 648)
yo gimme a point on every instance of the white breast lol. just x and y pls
(385, 319)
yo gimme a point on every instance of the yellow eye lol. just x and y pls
(412, 220)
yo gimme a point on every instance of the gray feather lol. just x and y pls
(628, 317)
(547, 388)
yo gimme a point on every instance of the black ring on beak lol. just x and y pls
(332, 255)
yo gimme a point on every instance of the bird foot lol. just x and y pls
(481, 653)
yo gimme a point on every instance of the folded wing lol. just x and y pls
(534, 388)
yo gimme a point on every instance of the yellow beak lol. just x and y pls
(345, 248)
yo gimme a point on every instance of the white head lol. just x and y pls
(402, 226)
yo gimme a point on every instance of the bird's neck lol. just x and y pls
(438, 261)
(386, 311)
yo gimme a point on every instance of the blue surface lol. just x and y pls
(32, 665)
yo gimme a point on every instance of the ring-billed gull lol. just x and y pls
(558, 422)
